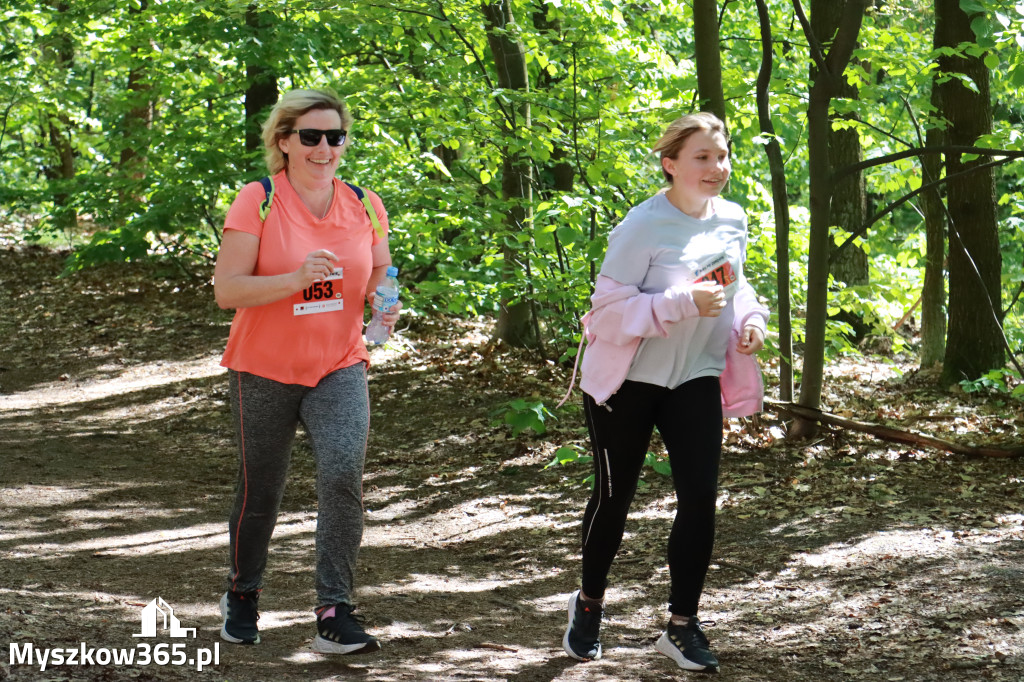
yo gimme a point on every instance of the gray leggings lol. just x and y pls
(336, 415)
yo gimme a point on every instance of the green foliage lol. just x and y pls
(572, 454)
(431, 134)
(521, 415)
(1001, 381)
(659, 462)
(575, 455)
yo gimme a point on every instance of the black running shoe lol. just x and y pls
(688, 647)
(581, 636)
(342, 633)
(240, 615)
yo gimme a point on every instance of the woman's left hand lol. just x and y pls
(751, 340)
(391, 314)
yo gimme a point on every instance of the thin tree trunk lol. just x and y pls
(261, 81)
(60, 51)
(139, 119)
(849, 204)
(708, 57)
(516, 321)
(780, 200)
(563, 174)
(823, 89)
(933, 292)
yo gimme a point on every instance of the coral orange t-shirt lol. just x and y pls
(303, 338)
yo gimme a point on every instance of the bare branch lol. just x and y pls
(817, 51)
(907, 197)
(892, 434)
(918, 151)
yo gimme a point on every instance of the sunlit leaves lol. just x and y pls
(432, 126)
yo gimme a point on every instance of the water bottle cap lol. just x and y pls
(392, 271)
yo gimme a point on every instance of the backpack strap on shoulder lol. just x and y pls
(370, 211)
(268, 188)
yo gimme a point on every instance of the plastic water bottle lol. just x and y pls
(387, 296)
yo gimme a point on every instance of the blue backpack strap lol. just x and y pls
(370, 211)
(268, 188)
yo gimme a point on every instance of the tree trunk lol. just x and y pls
(261, 81)
(933, 292)
(824, 87)
(708, 57)
(516, 320)
(780, 200)
(138, 120)
(975, 342)
(563, 174)
(60, 51)
(849, 206)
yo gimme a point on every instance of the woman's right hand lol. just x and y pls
(317, 267)
(709, 297)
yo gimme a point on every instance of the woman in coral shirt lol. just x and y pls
(299, 277)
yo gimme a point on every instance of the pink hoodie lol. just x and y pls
(621, 316)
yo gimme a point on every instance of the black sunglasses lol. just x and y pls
(310, 137)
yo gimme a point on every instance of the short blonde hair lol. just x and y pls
(281, 120)
(679, 131)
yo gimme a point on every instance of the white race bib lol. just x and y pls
(324, 296)
(718, 269)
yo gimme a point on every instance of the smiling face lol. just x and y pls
(312, 166)
(701, 168)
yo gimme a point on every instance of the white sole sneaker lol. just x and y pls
(326, 646)
(568, 629)
(664, 645)
(224, 628)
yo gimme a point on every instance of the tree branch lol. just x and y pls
(893, 434)
(816, 50)
(846, 37)
(1016, 297)
(918, 151)
(907, 197)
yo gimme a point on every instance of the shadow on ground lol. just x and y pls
(836, 560)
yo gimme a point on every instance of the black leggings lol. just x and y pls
(689, 419)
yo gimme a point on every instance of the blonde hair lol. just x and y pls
(679, 131)
(281, 120)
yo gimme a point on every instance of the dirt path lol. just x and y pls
(843, 559)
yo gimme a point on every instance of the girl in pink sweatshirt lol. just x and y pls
(670, 304)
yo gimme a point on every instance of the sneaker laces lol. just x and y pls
(694, 626)
(252, 597)
(344, 623)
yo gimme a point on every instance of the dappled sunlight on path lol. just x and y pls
(112, 382)
(841, 559)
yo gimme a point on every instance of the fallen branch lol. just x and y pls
(891, 434)
(736, 567)
(496, 647)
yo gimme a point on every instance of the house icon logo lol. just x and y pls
(151, 616)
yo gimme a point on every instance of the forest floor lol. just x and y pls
(840, 558)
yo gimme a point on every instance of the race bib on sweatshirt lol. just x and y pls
(324, 296)
(717, 268)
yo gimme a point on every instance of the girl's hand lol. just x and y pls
(317, 266)
(709, 297)
(390, 317)
(751, 340)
